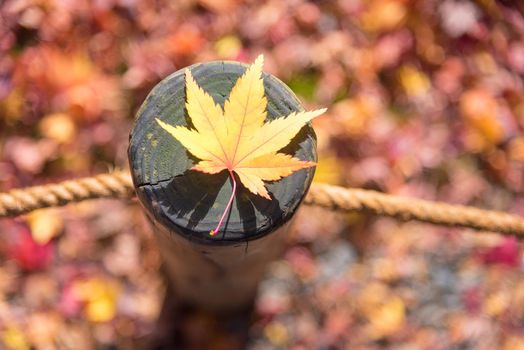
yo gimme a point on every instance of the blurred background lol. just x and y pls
(425, 99)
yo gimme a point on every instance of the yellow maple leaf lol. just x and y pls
(100, 297)
(237, 138)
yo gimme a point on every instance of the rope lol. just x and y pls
(407, 208)
(21, 201)
(119, 184)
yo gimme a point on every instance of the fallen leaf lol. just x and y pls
(100, 298)
(14, 338)
(228, 47)
(506, 253)
(479, 110)
(236, 138)
(28, 254)
(329, 170)
(44, 224)
(385, 313)
(58, 126)
(387, 318)
(382, 15)
(277, 333)
(414, 82)
(496, 303)
(185, 41)
(11, 106)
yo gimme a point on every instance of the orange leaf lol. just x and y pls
(237, 138)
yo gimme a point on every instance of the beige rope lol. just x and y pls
(21, 201)
(119, 184)
(407, 208)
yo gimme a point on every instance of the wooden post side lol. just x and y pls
(218, 277)
(221, 272)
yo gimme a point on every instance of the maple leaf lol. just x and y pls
(237, 138)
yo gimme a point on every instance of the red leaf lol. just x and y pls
(506, 253)
(27, 253)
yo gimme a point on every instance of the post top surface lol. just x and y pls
(190, 203)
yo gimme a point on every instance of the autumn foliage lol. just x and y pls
(238, 138)
(425, 98)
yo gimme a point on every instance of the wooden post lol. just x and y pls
(217, 273)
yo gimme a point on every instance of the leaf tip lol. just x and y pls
(264, 194)
(259, 60)
(319, 112)
(188, 75)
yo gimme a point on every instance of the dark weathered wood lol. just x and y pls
(219, 272)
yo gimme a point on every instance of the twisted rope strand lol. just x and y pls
(407, 208)
(119, 184)
(21, 201)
